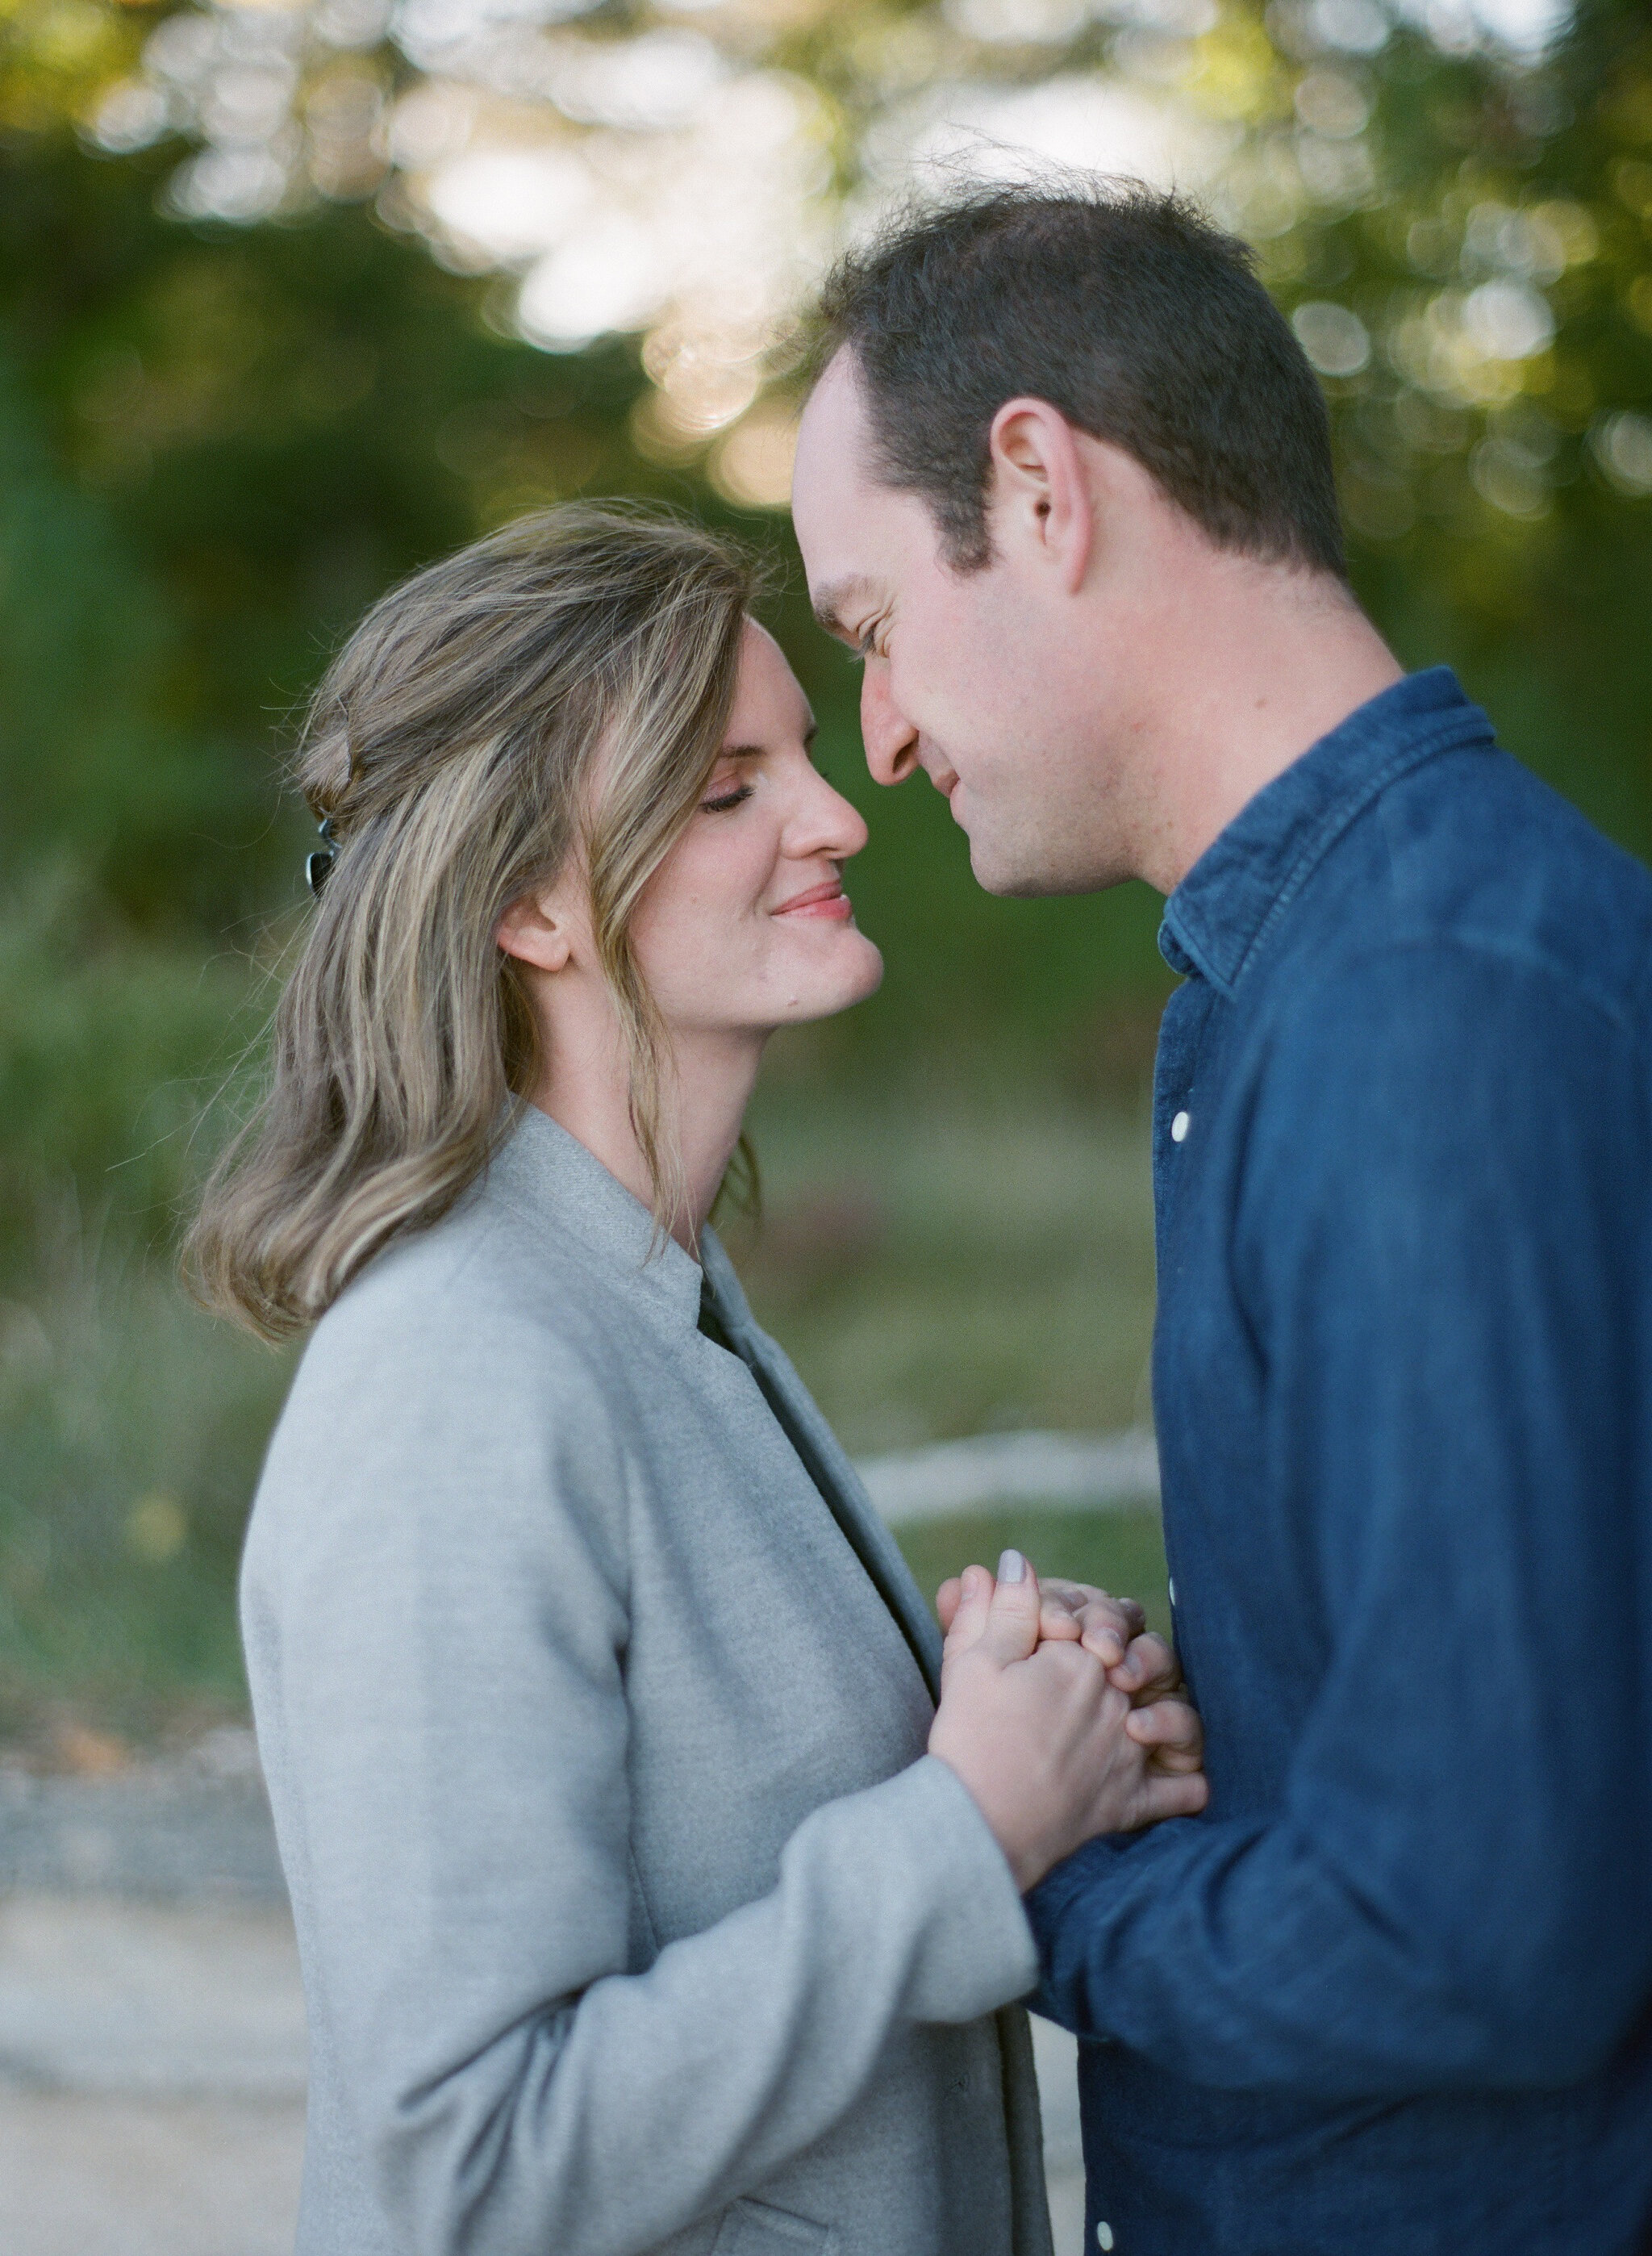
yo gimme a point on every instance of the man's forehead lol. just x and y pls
(859, 534)
(830, 484)
(833, 422)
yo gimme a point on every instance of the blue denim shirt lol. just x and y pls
(1393, 1992)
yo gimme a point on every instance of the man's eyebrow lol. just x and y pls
(830, 604)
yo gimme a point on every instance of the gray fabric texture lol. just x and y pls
(633, 1915)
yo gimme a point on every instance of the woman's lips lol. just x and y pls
(828, 900)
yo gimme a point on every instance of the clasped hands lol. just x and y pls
(1061, 1714)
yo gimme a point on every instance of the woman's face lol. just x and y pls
(745, 927)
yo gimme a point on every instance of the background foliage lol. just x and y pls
(290, 301)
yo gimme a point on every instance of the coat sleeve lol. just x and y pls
(436, 1619)
(1442, 1251)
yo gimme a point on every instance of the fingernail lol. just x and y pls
(1012, 1567)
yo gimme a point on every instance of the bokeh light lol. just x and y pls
(686, 173)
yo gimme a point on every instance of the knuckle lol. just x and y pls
(1068, 1665)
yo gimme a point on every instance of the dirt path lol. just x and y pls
(151, 2025)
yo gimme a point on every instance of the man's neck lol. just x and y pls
(1263, 663)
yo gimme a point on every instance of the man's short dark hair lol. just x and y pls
(1123, 307)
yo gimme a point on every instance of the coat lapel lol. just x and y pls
(845, 1495)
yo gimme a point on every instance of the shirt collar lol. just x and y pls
(548, 1176)
(1218, 917)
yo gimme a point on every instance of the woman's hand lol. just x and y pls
(1052, 1751)
(1138, 1662)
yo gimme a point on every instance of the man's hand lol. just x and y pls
(1052, 1751)
(1138, 1662)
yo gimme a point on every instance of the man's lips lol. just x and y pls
(828, 900)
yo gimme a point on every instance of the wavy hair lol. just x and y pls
(563, 686)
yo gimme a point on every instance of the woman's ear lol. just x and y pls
(534, 931)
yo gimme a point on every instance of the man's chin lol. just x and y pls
(1007, 874)
(1016, 872)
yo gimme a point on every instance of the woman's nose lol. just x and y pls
(825, 822)
(889, 738)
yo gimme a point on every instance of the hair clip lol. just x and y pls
(316, 865)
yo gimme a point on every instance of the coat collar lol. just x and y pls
(1230, 901)
(549, 1178)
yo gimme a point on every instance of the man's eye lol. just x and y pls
(866, 646)
(726, 800)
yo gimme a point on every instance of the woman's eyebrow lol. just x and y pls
(756, 751)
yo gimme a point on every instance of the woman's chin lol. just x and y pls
(856, 972)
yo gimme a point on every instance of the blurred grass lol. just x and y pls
(131, 1432)
(115, 1045)
(978, 1262)
(936, 1264)
(955, 1262)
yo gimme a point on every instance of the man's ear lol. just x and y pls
(535, 930)
(1040, 492)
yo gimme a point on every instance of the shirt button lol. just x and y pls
(1170, 1588)
(1104, 2234)
(1179, 1127)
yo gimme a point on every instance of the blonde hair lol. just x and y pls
(453, 749)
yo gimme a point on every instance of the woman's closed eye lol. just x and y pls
(723, 802)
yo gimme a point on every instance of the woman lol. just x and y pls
(592, 1698)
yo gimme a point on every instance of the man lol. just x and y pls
(1065, 482)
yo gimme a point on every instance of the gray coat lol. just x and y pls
(633, 1915)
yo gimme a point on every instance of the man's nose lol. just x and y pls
(889, 737)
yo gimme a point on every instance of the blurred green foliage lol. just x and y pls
(214, 450)
(1498, 518)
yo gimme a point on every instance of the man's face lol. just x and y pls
(976, 677)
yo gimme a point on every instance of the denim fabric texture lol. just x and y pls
(1393, 1991)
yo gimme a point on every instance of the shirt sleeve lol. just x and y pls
(1441, 1250)
(436, 1610)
